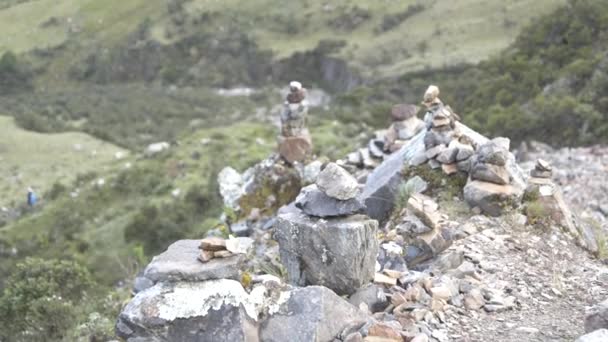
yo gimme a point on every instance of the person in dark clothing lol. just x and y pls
(31, 197)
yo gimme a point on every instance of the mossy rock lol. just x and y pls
(273, 186)
(439, 184)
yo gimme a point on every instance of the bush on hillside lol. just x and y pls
(42, 299)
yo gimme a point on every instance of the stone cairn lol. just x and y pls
(295, 143)
(405, 125)
(323, 240)
(446, 147)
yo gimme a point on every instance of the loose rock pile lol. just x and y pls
(216, 247)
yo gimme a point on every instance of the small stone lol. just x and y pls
(543, 165)
(424, 208)
(541, 174)
(337, 183)
(448, 156)
(222, 254)
(474, 300)
(385, 331)
(441, 292)
(490, 173)
(464, 152)
(213, 244)
(433, 164)
(372, 296)
(205, 256)
(241, 228)
(295, 149)
(380, 278)
(435, 151)
(449, 169)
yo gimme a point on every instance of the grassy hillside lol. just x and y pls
(380, 37)
(549, 85)
(39, 160)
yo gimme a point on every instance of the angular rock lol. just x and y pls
(383, 183)
(465, 153)
(385, 331)
(424, 208)
(239, 245)
(241, 228)
(597, 317)
(372, 295)
(596, 336)
(416, 185)
(337, 183)
(217, 310)
(205, 256)
(314, 202)
(337, 253)
(448, 156)
(180, 263)
(490, 173)
(312, 313)
(411, 226)
(492, 153)
(427, 246)
(435, 151)
(491, 198)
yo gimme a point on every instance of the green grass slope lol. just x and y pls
(39, 160)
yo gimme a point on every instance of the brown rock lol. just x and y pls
(449, 169)
(402, 112)
(380, 278)
(222, 254)
(213, 244)
(385, 331)
(295, 149)
(441, 292)
(296, 96)
(205, 256)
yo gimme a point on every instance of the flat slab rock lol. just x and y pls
(179, 263)
(337, 253)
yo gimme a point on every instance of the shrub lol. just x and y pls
(46, 296)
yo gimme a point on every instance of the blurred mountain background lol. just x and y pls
(86, 86)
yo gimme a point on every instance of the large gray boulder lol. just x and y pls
(383, 183)
(596, 336)
(597, 317)
(215, 310)
(179, 263)
(337, 253)
(314, 202)
(311, 314)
